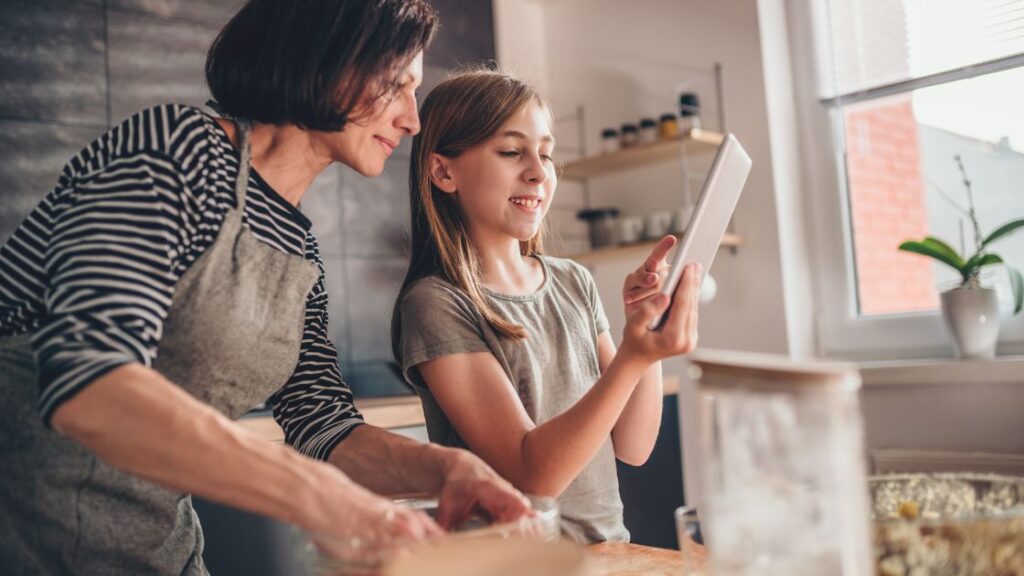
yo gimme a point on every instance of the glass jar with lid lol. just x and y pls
(609, 140)
(630, 135)
(668, 127)
(648, 130)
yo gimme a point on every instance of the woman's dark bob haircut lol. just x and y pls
(317, 64)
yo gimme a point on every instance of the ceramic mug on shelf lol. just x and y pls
(657, 224)
(631, 229)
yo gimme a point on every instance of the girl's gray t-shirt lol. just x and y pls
(551, 370)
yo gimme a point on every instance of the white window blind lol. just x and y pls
(867, 44)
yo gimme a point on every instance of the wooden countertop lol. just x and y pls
(394, 412)
(618, 559)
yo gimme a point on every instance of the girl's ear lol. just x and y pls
(439, 169)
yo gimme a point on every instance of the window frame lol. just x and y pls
(840, 331)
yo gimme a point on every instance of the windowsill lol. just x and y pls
(943, 372)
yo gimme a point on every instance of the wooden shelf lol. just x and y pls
(638, 251)
(695, 142)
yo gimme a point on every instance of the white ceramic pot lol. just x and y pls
(972, 315)
(708, 289)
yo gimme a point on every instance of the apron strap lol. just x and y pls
(244, 160)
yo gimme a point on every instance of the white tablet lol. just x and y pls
(711, 215)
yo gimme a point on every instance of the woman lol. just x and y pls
(510, 349)
(169, 283)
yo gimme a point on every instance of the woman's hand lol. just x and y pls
(644, 302)
(472, 486)
(348, 521)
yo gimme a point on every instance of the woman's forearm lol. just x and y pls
(391, 464)
(137, 421)
(636, 431)
(555, 452)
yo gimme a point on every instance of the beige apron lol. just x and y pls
(231, 339)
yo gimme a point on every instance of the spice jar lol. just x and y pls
(609, 140)
(689, 112)
(601, 225)
(669, 127)
(630, 135)
(648, 130)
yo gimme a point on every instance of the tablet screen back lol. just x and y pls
(712, 213)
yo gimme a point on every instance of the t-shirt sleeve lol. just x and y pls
(436, 320)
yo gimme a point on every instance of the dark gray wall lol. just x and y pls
(70, 69)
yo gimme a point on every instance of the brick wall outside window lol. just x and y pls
(887, 206)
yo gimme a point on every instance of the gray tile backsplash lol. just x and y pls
(154, 61)
(33, 155)
(466, 34)
(52, 61)
(373, 285)
(376, 211)
(214, 13)
(65, 63)
(322, 205)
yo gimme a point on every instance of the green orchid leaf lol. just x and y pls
(946, 248)
(1017, 284)
(1002, 231)
(981, 260)
(926, 248)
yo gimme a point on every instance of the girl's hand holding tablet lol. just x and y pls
(644, 302)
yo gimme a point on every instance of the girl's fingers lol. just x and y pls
(692, 308)
(638, 295)
(685, 298)
(649, 308)
(641, 280)
(657, 256)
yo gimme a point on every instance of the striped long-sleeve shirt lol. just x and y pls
(92, 269)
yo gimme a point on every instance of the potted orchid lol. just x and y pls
(970, 310)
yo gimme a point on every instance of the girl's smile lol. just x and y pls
(528, 204)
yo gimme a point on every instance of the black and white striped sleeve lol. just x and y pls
(110, 267)
(315, 408)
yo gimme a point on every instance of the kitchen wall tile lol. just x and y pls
(564, 233)
(466, 34)
(569, 194)
(154, 61)
(376, 211)
(572, 246)
(211, 12)
(564, 221)
(373, 285)
(52, 61)
(337, 307)
(34, 154)
(322, 205)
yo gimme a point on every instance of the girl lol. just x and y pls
(509, 349)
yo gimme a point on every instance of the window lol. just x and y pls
(905, 88)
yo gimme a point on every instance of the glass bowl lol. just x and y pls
(330, 556)
(948, 524)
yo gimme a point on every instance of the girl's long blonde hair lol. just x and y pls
(459, 114)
